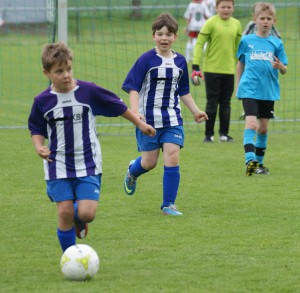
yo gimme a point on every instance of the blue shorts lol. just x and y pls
(174, 134)
(74, 188)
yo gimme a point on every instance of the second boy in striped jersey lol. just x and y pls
(156, 84)
(65, 115)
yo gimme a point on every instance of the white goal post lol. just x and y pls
(62, 21)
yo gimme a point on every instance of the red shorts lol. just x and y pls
(193, 34)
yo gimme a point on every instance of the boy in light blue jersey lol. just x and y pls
(65, 114)
(156, 84)
(260, 56)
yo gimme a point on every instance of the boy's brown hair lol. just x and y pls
(165, 19)
(219, 1)
(57, 53)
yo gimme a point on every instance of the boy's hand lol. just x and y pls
(278, 65)
(147, 129)
(44, 153)
(200, 116)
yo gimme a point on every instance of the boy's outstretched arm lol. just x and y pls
(199, 115)
(134, 104)
(144, 127)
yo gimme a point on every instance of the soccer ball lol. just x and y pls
(79, 262)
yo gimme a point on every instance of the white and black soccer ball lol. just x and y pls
(79, 262)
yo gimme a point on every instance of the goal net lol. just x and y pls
(107, 36)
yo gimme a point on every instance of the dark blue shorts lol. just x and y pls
(174, 134)
(74, 188)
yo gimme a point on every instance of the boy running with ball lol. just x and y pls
(65, 114)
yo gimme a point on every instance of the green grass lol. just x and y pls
(237, 234)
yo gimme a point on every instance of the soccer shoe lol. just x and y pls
(262, 170)
(129, 182)
(208, 139)
(225, 138)
(171, 210)
(251, 166)
(81, 229)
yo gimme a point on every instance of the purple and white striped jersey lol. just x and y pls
(160, 82)
(68, 121)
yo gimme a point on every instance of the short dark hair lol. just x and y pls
(219, 1)
(165, 19)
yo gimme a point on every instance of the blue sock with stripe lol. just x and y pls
(249, 147)
(260, 147)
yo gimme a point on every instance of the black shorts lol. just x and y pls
(258, 108)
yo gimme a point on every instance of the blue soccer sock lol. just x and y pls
(260, 147)
(171, 181)
(249, 147)
(66, 238)
(136, 168)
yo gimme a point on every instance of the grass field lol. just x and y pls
(237, 234)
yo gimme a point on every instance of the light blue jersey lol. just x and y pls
(259, 79)
(160, 83)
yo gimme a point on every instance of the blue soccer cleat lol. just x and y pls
(171, 210)
(130, 181)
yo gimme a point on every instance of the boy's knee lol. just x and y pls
(87, 216)
(65, 214)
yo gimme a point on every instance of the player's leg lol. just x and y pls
(266, 112)
(261, 146)
(65, 229)
(138, 167)
(189, 49)
(251, 109)
(261, 140)
(227, 88)
(149, 148)
(173, 140)
(87, 191)
(61, 192)
(213, 90)
(194, 40)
